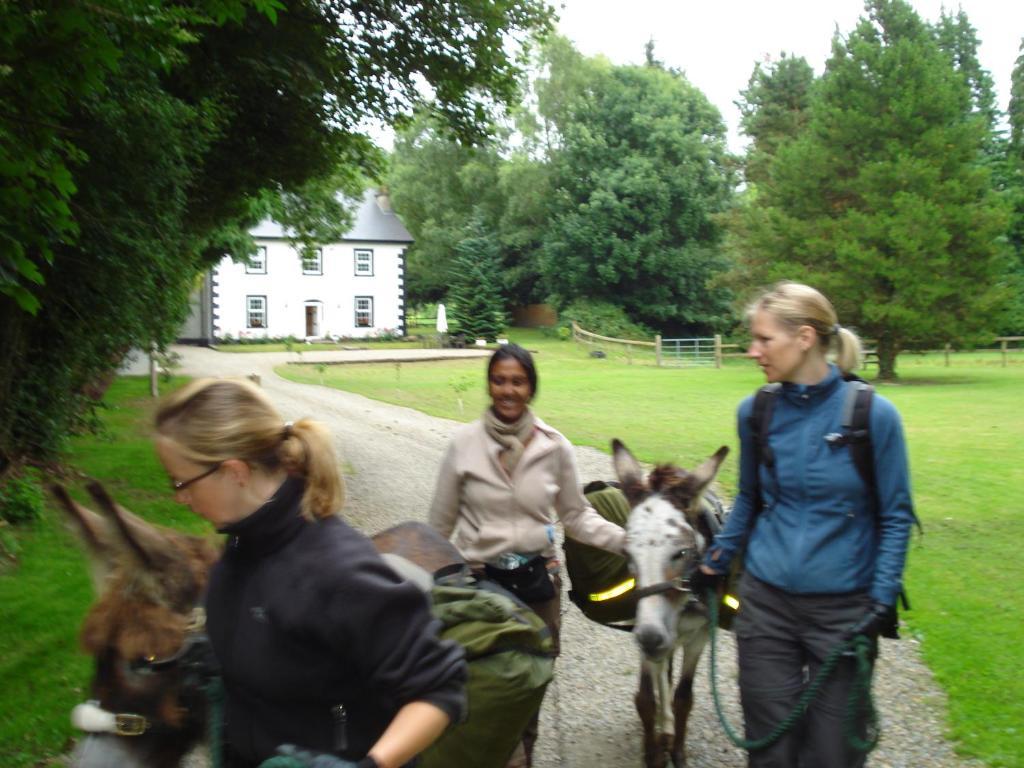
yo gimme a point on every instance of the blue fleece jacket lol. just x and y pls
(817, 533)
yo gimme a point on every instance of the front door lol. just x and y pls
(312, 320)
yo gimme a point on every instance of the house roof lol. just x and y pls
(374, 221)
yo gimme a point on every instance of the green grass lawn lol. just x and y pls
(44, 596)
(965, 432)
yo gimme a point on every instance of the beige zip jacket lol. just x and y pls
(491, 513)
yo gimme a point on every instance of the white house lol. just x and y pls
(352, 288)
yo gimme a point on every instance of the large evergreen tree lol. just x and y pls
(958, 38)
(773, 110)
(1013, 320)
(474, 297)
(638, 171)
(883, 202)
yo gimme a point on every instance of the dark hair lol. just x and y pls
(521, 356)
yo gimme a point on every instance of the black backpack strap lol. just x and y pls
(857, 433)
(760, 421)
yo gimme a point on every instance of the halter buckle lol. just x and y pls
(130, 725)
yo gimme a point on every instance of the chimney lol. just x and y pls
(383, 200)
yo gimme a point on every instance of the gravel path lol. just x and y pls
(391, 455)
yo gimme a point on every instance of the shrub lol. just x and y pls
(21, 499)
(603, 318)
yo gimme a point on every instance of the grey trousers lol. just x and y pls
(783, 639)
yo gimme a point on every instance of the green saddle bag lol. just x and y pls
(602, 586)
(510, 658)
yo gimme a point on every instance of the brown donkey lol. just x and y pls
(667, 531)
(148, 706)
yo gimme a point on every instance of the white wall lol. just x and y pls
(288, 290)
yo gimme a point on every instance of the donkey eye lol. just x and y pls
(142, 665)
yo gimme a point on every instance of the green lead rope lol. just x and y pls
(860, 693)
(215, 699)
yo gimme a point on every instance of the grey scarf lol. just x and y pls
(512, 437)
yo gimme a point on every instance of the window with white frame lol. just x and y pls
(255, 311)
(313, 262)
(364, 262)
(364, 311)
(257, 264)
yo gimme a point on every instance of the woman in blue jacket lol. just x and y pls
(820, 561)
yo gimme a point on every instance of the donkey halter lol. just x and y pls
(92, 718)
(679, 584)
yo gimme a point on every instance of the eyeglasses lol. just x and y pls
(181, 485)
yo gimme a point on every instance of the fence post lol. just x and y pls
(1002, 345)
(154, 387)
(657, 349)
(947, 353)
(718, 350)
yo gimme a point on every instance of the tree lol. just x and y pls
(638, 169)
(1013, 320)
(476, 304)
(883, 202)
(773, 110)
(439, 185)
(959, 40)
(138, 142)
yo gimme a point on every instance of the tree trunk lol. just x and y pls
(888, 349)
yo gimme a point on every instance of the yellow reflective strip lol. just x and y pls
(608, 594)
(732, 602)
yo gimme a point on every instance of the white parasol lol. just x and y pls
(442, 319)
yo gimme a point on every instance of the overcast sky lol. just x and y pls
(716, 42)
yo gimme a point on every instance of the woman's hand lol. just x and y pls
(704, 579)
(416, 726)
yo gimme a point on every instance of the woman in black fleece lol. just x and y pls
(321, 645)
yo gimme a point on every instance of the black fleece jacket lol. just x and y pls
(319, 642)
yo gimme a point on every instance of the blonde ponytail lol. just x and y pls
(848, 351)
(307, 451)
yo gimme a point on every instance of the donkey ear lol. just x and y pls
(145, 541)
(628, 470)
(706, 472)
(93, 529)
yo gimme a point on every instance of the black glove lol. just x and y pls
(879, 620)
(701, 582)
(321, 760)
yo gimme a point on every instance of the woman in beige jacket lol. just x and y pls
(503, 481)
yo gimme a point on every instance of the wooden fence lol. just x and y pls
(679, 352)
(870, 354)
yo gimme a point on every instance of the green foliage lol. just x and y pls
(476, 306)
(21, 498)
(883, 201)
(603, 318)
(959, 40)
(439, 185)
(773, 110)
(140, 141)
(1013, 320)
(638, 170)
